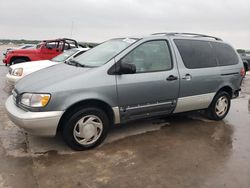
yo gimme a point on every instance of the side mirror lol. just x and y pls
(122, 68)
(126, 68)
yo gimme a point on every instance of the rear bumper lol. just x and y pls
(236, 93)
(36, 123)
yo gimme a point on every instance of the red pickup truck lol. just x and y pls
(45, 50)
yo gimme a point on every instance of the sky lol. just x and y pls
(100, 20)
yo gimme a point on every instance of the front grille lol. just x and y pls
(16, 96)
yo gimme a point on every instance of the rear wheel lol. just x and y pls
(86, 128)
(219, 107)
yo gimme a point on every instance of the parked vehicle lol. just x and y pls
(43, 51)
(126, 79)
(18, 71)
(245, 56)
(26, 46)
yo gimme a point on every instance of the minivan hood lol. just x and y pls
(43, 79)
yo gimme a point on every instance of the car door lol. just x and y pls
(153, 89)
(199, 74)
(50, 50)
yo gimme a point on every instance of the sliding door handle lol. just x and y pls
(187, 77)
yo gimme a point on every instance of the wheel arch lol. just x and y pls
(88, 102)
(20, 57)
(227, 89)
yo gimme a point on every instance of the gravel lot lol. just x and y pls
(185, 150)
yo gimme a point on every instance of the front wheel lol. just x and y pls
(86, 128)
(219, 107)
(16, 61)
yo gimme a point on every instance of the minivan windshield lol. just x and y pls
(102, 53)
(65, 55)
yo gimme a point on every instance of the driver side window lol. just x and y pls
(51, 45)
(150, 57)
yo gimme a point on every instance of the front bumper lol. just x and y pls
(36, 123)
(10, 79)
(5, 61)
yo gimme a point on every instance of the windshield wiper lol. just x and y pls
(75, 63)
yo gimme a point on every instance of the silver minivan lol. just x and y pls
(125, 79)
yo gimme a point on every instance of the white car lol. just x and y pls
(18, 71)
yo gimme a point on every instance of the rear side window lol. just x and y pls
(225, 54)
(196, 54)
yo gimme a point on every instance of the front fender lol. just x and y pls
(64, 100)
(72, 100)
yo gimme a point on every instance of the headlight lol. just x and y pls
(35, 100)
(17, 72)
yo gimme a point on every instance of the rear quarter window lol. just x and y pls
(225, 54)
(196, 54)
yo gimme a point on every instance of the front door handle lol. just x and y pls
(187, 77)
(171, 78)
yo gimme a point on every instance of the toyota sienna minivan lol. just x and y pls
(125, 79)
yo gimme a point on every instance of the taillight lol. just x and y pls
(242, 72)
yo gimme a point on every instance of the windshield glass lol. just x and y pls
(39, 45)
(65, 55)
(102, 53)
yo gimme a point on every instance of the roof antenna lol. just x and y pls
(72, 27)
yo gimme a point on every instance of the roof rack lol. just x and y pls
(62, 39)
(190, 34)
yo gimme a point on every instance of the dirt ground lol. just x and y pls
(181, 151)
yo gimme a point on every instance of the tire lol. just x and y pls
(93, 120)
(219, 107)
(16, 61)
